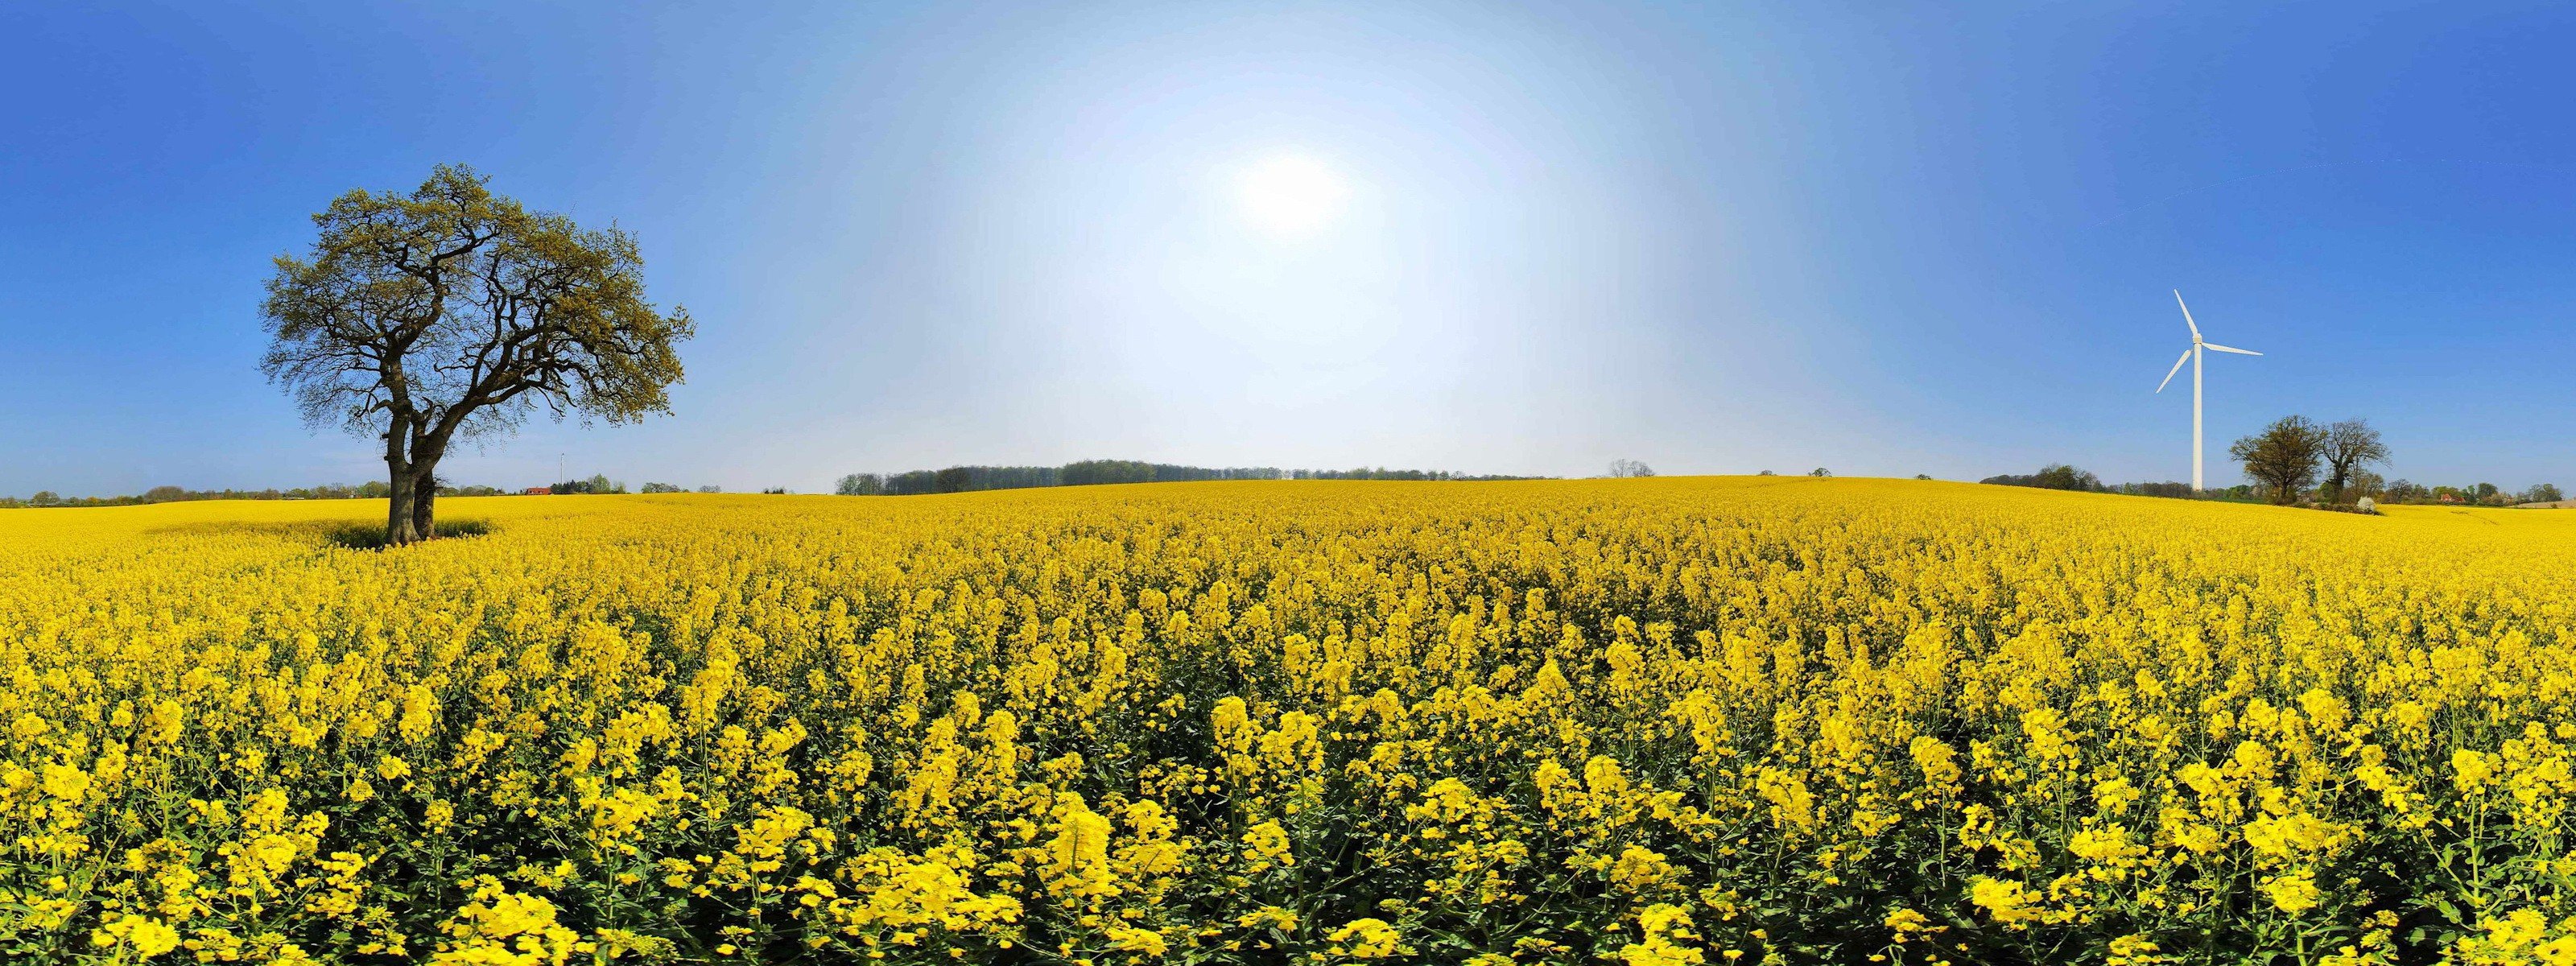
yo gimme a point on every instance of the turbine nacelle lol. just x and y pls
(2197, 343)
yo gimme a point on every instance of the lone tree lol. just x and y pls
(2283, 456)
(2350, 446)
(449, 314)
(1629, 469)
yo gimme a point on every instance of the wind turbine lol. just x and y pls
(2192, 355)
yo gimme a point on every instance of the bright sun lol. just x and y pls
(1291, 195)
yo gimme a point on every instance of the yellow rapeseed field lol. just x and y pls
(1658, 722)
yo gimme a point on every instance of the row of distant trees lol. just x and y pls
(954, 479)
(2487, 494)
(962, 479)
(2296, 460)
(2059, 476)
(2054, 476)
(599, 483)
(370, 490)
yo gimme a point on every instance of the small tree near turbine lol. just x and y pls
(449, 314)
(2350, 446)
(2283, 457)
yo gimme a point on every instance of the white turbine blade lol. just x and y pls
(2186, 316)
(2186, 357)
(2215, 347)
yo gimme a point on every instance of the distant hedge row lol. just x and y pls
(960, 479)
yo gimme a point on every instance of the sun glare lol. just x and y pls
(1291, 195)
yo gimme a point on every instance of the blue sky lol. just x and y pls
(1883, 239)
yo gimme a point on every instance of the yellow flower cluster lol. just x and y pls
(1665, 721)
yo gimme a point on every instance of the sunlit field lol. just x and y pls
(1665, 721)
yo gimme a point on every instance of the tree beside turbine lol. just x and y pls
(2193, 356)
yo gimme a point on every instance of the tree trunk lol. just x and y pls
(424, 500)
(398, 513)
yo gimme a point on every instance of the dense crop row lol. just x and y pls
(1658, 721)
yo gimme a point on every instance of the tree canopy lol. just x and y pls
(2283, 457)
(2347, 448)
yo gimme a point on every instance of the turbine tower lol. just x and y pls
(2192, 355)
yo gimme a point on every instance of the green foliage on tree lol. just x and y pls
(2283, 457)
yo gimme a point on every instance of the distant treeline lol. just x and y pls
(2059, 476)
(955, 479)
(962, 479)
(370, 490)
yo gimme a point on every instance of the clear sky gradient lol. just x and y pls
(1716, 238)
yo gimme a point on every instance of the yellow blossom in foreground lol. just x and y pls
(1369, 938)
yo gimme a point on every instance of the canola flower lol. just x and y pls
(1666, 721)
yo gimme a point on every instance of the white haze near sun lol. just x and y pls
(1320, 236)
(1292, 195)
